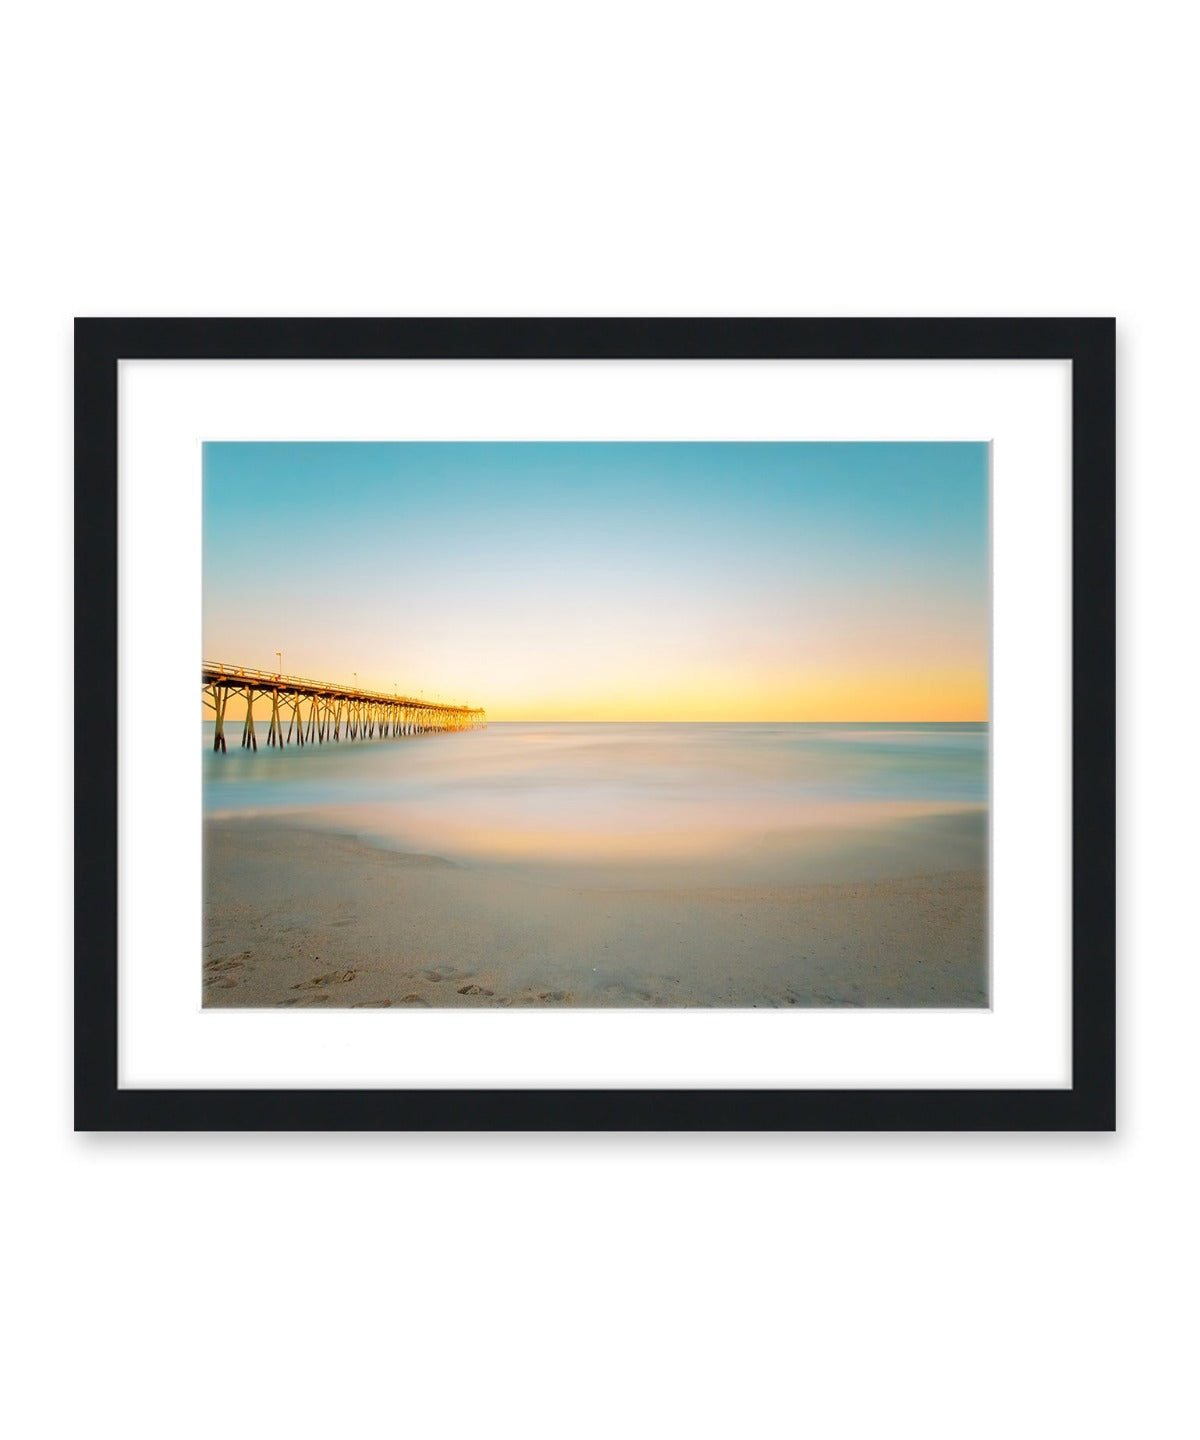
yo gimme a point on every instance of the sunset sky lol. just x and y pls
(610, 581)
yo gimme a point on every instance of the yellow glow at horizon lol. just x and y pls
(935, 696)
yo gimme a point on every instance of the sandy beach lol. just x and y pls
(303, 917)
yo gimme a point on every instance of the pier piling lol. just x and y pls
(334, 710)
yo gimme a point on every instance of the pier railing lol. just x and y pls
(320, 710)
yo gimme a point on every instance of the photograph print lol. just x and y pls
(596, 725)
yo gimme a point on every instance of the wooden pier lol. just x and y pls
(316, 712)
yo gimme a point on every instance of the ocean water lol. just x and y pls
(634, 803)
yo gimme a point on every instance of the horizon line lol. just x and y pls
(733, 720)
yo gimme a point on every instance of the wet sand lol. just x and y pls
(301, 917)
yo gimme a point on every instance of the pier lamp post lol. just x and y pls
(279, 657)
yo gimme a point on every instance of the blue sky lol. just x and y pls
(592, 581)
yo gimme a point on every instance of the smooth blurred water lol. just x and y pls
(553, 793)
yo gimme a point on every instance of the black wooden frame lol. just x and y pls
(1090, 1102)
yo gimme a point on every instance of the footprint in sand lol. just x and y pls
(333, 978)
(414, 1000)
(371, 1005)
(474, 990)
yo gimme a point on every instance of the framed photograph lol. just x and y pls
(595, 724)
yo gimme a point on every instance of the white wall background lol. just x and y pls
(606, 159)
